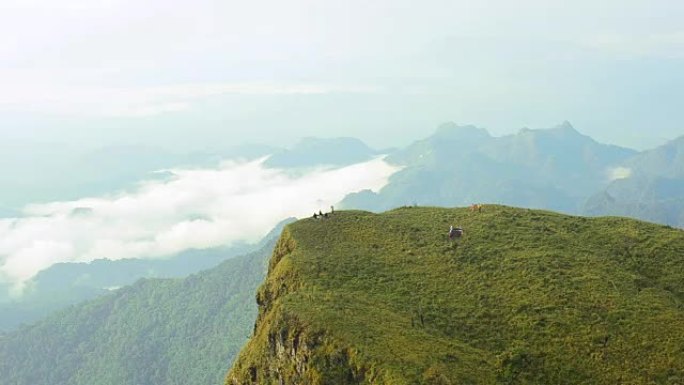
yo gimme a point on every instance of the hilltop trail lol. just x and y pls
(525, 297)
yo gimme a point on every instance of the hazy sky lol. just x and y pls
(189, 74)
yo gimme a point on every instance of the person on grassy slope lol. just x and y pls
(455, 232)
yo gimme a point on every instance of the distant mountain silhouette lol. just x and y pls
(310, 152)
(556, 168)
(651, 187)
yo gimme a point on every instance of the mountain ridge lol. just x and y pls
(651, 187)
(526, 297)
(556, 168)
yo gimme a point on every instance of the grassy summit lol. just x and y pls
(525, 297)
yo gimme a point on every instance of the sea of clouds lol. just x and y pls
(186, 209)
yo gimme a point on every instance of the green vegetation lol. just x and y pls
(64, 284)
(157, 331)
(525, 297)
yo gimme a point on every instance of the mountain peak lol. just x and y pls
(565, 129)
(677, 142)
(666, 160)
(451, 130)
(448, 137)
(566, 125)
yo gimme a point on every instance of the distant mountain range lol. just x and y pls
(652, 187)
(557, 168)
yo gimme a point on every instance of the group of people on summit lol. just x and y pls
(454, 232)
(321, 215)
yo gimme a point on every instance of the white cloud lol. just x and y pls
(663, 44)
(24, 91)
(194, 209)
(619, 173)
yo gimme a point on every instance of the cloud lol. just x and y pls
(619, 173)
(663, 44)
(24, 91)
(194, 208)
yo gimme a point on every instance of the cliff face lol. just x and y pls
(285, 350)
(295, 355)
(524, 297)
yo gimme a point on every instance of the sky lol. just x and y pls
(194, 74)
(195, 208)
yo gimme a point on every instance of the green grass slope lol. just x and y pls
(155, 332)
(525, 297)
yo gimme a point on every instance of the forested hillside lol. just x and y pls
(65, 284)
(157, 331)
